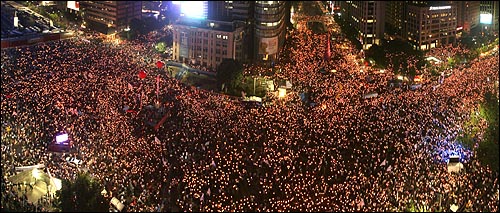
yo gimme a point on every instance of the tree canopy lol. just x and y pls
(229, 73)
(397, 54)
(81, 195)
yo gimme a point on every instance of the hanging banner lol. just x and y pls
(268, 46)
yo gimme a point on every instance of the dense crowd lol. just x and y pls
(212, 154)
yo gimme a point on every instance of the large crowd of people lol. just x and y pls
(212, 154)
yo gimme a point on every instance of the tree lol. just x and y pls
(81, 195)
(160, 47)
(229, 73)
(488, 151)
(137, 26)
(151, 24)
(378, 54)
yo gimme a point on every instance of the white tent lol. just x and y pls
(370, 95)
(117, 204)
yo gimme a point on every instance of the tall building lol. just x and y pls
(207, 42)
(467, 15)
(489, 13)
(107, 16)
(263, 22)
(269, 30)
(220, 10)
(368, 18)
(395, 22)
(431, 24)
(242, 10)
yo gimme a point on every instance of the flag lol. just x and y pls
(157, 140)
(389, 168)
(130, 87)
(208, 192)
(383, 163)
(202, 198)
(328, 52)
(157, 84)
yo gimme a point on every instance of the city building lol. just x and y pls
(269, 30)
(395, 22)
(220, 10)
(467, 15)
(431, 24)
(368, 18)
(207, 42)
(110, 16)
(263, 22)
(489, 13)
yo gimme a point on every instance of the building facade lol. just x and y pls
(207, 42)
(395, 22)
(368, 18)
(269, 30)
(467, 15)
(105, 15)
(431, 25)
(487, 8)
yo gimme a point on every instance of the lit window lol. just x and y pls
(225, 37)
(219, 36)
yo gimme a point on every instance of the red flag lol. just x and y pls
(157, 85)
(159, 64)
(142, 74)
(328, 52)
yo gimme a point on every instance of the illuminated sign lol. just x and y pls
(62, 138)
(485, 18)
(460, 28)
(74, 5)
(440, 8)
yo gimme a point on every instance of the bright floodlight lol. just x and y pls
(281, 92)
(61, 138)
(194, 9)
(36, 174)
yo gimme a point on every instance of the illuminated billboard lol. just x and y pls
(74, 5)
(485, 18)
(194, 9)
(61, 138)
(268, 46)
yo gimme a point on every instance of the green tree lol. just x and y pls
(488, 150)
(81, 195)
(229, 73)
(378, 54)
(161, 47)
(137, 26)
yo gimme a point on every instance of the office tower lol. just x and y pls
(395, 21)
(220, 10)
(106, 16)
(467, 15)
(368, 18)
(431, 24)
(270, 30)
